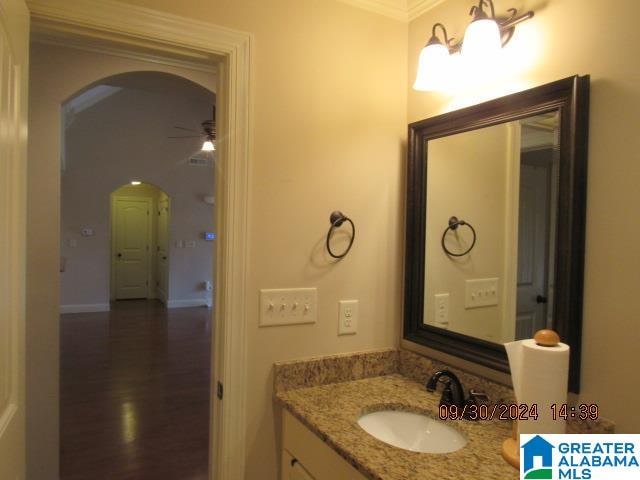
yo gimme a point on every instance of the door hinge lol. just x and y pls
(219, 390)
(147, 212)
(157, 283)
(147, 282)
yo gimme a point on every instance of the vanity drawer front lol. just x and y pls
(318, 459)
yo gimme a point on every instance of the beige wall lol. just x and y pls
(329, 128)
(54, 78)
(328, 132)
(467, 178)
(577, 37)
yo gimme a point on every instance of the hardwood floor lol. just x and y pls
(135, 393)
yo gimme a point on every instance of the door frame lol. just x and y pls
(128, 26)
(156, 269)
(151, 242)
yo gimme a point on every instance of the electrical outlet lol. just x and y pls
(348, 317)
(442, 310)
(288, 306)
(482, 292)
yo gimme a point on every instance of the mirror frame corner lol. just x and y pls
(570, 96)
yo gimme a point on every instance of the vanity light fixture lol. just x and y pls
(433, 63)
(483, 39)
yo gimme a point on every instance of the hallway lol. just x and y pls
(135, 393)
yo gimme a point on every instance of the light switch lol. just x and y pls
(481, 292)
(288, 306)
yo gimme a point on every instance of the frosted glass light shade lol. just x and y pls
(433, 68)
(481, 40)
(208, 146)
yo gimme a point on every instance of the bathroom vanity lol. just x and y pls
(320, 430)
(323, 398)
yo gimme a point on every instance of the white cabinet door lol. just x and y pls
(292, 469)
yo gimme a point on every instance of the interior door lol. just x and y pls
(163, 249)
(14, 59)
(132, 229)
(533, 237)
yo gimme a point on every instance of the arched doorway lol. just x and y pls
(129, 127)
(133, 198)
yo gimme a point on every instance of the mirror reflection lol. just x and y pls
(500, 185)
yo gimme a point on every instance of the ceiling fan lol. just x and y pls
(208, 133)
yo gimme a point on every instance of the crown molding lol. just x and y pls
(396, 9)
(403, 10)
(416, 8)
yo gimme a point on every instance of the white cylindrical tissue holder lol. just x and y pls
(540, 375)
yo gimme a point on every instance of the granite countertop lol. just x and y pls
(331, 412)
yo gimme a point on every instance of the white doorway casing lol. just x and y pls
(128, 27)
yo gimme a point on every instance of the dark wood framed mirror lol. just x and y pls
(514, 171)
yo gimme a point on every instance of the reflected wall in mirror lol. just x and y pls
(486, 164)
(512, 171)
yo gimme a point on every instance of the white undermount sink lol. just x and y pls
(412, 431)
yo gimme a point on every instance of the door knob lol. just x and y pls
(164, 258)
(541, 299)
(119, 255)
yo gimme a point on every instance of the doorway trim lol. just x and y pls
(131, 28)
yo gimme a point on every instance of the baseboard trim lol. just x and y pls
(85, 308)
(191, 302)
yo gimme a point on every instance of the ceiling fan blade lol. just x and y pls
(187, 136)
(183, 128)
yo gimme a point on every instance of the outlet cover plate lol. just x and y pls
(347, 317)
(442, 310)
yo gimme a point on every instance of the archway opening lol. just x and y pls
(137, 280)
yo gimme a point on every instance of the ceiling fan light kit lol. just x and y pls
(208, 133)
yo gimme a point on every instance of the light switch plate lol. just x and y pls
(288, 306)
(481, 292)
(347, 317)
